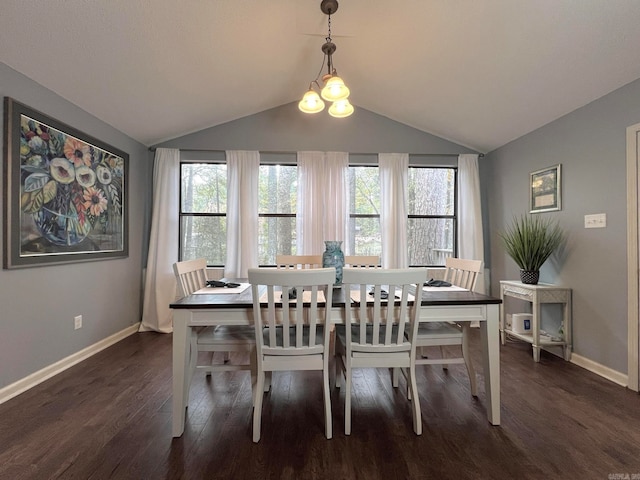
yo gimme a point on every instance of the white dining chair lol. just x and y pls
(289, 262)
(373, 334)
(462, 273)
(291, 333)
(191, 276)
(362, 261)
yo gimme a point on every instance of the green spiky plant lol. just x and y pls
(530, 241)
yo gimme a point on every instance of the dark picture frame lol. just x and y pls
(545, 189)
(66, 197)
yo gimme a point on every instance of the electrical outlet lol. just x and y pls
(598, 220)
(77, 322)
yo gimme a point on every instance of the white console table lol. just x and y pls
(537, 295)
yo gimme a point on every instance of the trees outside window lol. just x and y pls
(365, 237)
(278, 193)
(431, 222)
(203, 212)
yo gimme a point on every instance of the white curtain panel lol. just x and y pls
(310, 211)
(322, 200)
(470, 233)
(243, 168)
(160, 282)
(394, 172)
(336, 211)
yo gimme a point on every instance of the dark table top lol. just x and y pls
(245, 299)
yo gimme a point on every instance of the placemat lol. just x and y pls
(217, 290)
(452, 288)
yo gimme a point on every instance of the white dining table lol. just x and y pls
(438, 304)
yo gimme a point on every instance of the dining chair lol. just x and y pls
(362, 261)
(462, 273)
(291, 323)
(191, 275)
(373, 335)
(289, 262)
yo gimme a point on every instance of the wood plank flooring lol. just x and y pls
(109, 417)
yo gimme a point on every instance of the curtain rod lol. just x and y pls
(276, 152)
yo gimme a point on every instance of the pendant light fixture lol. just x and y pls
(334, 89)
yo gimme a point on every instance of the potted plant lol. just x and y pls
(530, 241)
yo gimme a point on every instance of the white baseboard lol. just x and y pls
(40, 376)
(606, 372)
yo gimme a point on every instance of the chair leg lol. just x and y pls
(328, 428)
(406, 374)
(340, 368)
(347, 399)
(253, 368)
(267, 381)
(257, 406)
(444, 365)
(417, 416)
(467, 360)
(395, 377)
(209, 371)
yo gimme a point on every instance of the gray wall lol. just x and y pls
(287, 129)
(37, 305)
(590, 144)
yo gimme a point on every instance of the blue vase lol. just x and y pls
(60, 228)
(333, 257)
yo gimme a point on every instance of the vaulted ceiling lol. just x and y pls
(477, 72)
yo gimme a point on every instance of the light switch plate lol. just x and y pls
(596, 220)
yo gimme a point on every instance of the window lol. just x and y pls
(364, 211)
(203, 212)
(278, 195)
(431, 221)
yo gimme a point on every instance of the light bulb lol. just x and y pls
(335, 90)
(341, 109)
(311, 102)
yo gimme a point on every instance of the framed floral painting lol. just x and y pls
(65, 192)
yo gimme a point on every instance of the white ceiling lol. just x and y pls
(478, 72)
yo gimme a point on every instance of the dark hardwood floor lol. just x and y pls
(110, 417)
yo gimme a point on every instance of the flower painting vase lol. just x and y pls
(333, 257)
(60, 228)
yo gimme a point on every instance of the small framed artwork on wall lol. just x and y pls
(545, 189)
(65, 192)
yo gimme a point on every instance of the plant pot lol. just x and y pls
(530, 277)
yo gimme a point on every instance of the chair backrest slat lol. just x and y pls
(362, 261)
(376, 326)
(292, 325)
(191, 275)
(462, 272)
(289, 262)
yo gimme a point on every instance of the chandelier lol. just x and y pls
(334, 89)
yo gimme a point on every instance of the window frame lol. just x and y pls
(283, 163)
(182, 214)
(453, 217)
(266, 161)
